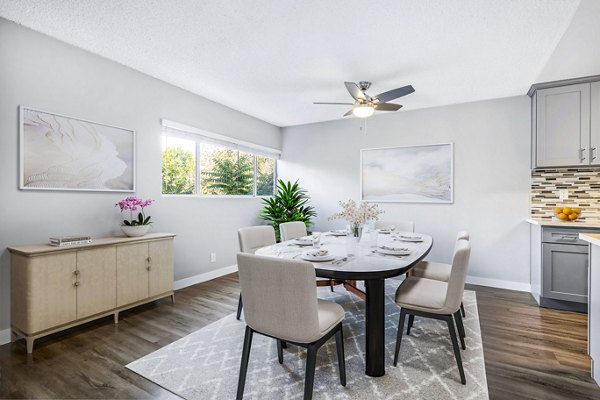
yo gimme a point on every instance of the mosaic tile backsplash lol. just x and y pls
(583, 185)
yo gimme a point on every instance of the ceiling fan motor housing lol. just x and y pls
(364, 85)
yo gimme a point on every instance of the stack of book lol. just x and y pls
(70, 240)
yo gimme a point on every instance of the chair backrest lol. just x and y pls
(462, 235)
(280, 297)
(458, 275)
(253, 238)
(292, 230)
(403, 226)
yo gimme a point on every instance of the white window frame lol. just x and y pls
(197, 135)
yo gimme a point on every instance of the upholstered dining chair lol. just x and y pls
(280, 300)
(402, 226)
(295, 230)
(292, 230)
(437, 270)
(437, 299)
(251, 239)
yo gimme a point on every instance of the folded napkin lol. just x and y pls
(305, 239)
(410, 237)
(392, 248)
(317, 253)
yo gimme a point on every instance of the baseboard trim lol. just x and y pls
(500, 284)
(4, 336)
(207, 276)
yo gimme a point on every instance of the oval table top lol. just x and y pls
(358, 261)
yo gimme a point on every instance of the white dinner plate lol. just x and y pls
(338, 233)
(303, 242)
(393, 252)
(325, 257)
(384, 231)
(410, 238)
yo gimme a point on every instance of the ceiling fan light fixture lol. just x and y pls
(363, 110)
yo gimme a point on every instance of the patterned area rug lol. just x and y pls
(205, 364)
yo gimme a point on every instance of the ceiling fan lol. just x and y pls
(364, 105)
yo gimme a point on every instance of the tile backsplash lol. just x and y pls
(582, 184)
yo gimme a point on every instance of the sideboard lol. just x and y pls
(55, 288)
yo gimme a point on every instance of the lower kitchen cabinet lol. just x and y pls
(55, 288)
(559, 267)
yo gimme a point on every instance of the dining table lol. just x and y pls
(352, 260)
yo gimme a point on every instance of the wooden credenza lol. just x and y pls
(55, 288)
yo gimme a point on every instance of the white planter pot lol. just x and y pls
(136, 230)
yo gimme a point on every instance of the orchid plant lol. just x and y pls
(133, 203)
(357, 214)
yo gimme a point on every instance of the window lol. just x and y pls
(196, 162)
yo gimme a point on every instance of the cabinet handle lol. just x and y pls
(581, 154)
(592, 156)
(149, 260)
(76, 275)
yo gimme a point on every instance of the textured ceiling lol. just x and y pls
(272, 58)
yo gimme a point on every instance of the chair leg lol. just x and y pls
(280, 351)
(399, 337)
(339, 344)
(284, 344)
(461, 329)
(452, 331)
(462, 309)
(244, 364)
(240, 305)
(411, 321)
(309, 377)
(331, 283)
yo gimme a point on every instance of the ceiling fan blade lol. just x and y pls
(355, 91)
(388, 107)
(394, 94)
(349, 112)
(344, 104)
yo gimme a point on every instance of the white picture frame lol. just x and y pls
(60, 152)
(408, 174)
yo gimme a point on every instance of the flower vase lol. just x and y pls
(135, 230)
(357, 232)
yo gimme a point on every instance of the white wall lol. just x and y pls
(491, 176)
(576, 54)
(44, 73)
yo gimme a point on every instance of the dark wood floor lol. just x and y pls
(530, 353)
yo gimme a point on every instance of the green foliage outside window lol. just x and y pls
(178, 171)
(231, 173)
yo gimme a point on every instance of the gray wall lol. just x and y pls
(491, 176)
(576, 54)
(44, 73)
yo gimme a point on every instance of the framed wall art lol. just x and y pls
(58, 152)
(408, 174)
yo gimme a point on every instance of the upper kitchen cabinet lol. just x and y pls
(566, 123)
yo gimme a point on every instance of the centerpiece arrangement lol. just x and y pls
(140, 225)
(357, 214)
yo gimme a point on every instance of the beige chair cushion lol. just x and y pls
(432, 270)
(280, 299)
(422, 295)
(292, 230)
(253, 238)
(330, 314)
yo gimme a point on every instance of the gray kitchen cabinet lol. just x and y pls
(565, 272)
(562, 126)
(594, 123)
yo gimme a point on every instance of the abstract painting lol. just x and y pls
(65, 153)
(411, 174)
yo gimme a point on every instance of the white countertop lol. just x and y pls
(558, 223)
(592, 238)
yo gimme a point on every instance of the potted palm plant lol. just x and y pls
(288, 204)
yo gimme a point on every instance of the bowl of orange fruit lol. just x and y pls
(567, 213)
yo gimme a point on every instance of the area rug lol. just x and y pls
(205, 364)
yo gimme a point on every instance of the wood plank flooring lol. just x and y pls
(530, 353)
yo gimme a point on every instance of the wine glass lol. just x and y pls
(316, 240)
